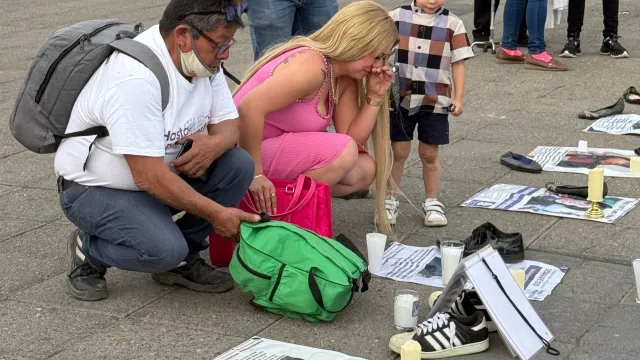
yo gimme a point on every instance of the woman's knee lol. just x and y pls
(368, 170)
(348, 158)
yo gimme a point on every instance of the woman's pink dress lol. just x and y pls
(295, 138)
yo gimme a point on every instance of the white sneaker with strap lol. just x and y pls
(434, 213)
(391, 210)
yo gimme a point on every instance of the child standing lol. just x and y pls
(431, 53)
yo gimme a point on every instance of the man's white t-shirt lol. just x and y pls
(124, 96)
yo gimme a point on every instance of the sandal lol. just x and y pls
(632, 96)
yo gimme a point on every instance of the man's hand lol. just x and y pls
(226, 222)
(204, 151)
(456, 107)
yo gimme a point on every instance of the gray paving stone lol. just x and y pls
(229, 313)
(498, 351)
(128, 292)
(33, 204)
(597, 241)
(614, 337)
(32, 332)
(631, 297)
(355, 219)
(462, 221)
(596, 282)
(131, 340)
(28, 169)
(6, 188)
(33, 257)
(13, 227)
(367, 323)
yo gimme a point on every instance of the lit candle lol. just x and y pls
(596, 184)
(635, 166)
(411, 350)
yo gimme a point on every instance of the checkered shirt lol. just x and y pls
(429, 44)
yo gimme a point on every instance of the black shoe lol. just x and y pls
(444, 336)
(509, 245)
(571, 48)
(615, 109)
(632, 95)
(364, 194)
(466, 304)
(196, 275)
(573, 190)
(611, 46)
(523, 41)
(481, 38)
(84, 281)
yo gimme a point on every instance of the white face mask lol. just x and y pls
(191, 64)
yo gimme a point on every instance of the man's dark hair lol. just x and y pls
(190, 12)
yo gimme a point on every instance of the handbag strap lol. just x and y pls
(550, 350)
(295, 205)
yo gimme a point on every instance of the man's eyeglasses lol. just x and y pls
(222, 48)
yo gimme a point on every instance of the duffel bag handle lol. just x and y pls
(317, 294)
(366, 275)
(295, 204)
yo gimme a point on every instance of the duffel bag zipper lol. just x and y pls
(80, 41)
(275, 286)
(250, 270)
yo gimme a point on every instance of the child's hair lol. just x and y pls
(359, 29)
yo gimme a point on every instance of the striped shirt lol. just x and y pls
(429, 44)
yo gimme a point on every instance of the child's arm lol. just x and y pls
(458, 86)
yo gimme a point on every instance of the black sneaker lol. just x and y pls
(446, 335)
(571, 48)
(196, 275)
(611, 46)
(466, 304)
(84, 282)
(509, 245)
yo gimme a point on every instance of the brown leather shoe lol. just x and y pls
(533, 64)
(503, 56)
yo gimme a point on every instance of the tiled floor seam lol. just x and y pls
(544, 231)
(26, 231)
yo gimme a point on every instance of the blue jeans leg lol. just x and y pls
(270, 22)
(132, 230)
(513, 14)
(315, 13)
(536, 18)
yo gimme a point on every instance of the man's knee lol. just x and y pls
(164, 254)
(239, 165)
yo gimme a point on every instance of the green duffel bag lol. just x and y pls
(297, 273)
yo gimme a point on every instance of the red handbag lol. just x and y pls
(303, 202)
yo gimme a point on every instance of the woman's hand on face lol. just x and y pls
(263, 193)
(379, 81)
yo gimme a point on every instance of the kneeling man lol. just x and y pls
(122, 190)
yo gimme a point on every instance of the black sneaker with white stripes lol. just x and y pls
(611, 46)
(84, 282)
(466, 304)
(571, 48)
(445, 335)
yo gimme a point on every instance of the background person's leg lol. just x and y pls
(270, 22)
(536, 18)
(482, 19)
(315, 13)
(610, 18)
(513, 13)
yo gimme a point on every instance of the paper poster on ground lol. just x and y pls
(422, 265)
(536, 200)
(616, 163)
(258, 348)
(626, 124)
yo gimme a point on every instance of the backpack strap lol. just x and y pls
(148, 58)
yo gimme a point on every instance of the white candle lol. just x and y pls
(405, 311)
(450, 259)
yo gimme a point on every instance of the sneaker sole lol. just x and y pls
(568, 55)
(447, 353)
(623, 56)
(175, 279)
(86, 295)
(436, 223)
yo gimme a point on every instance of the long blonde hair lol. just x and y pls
(359, 29)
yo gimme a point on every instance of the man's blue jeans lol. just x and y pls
(132, 230)
(276, 21)
(536, 17)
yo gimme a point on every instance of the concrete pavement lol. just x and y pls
(592, 312)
